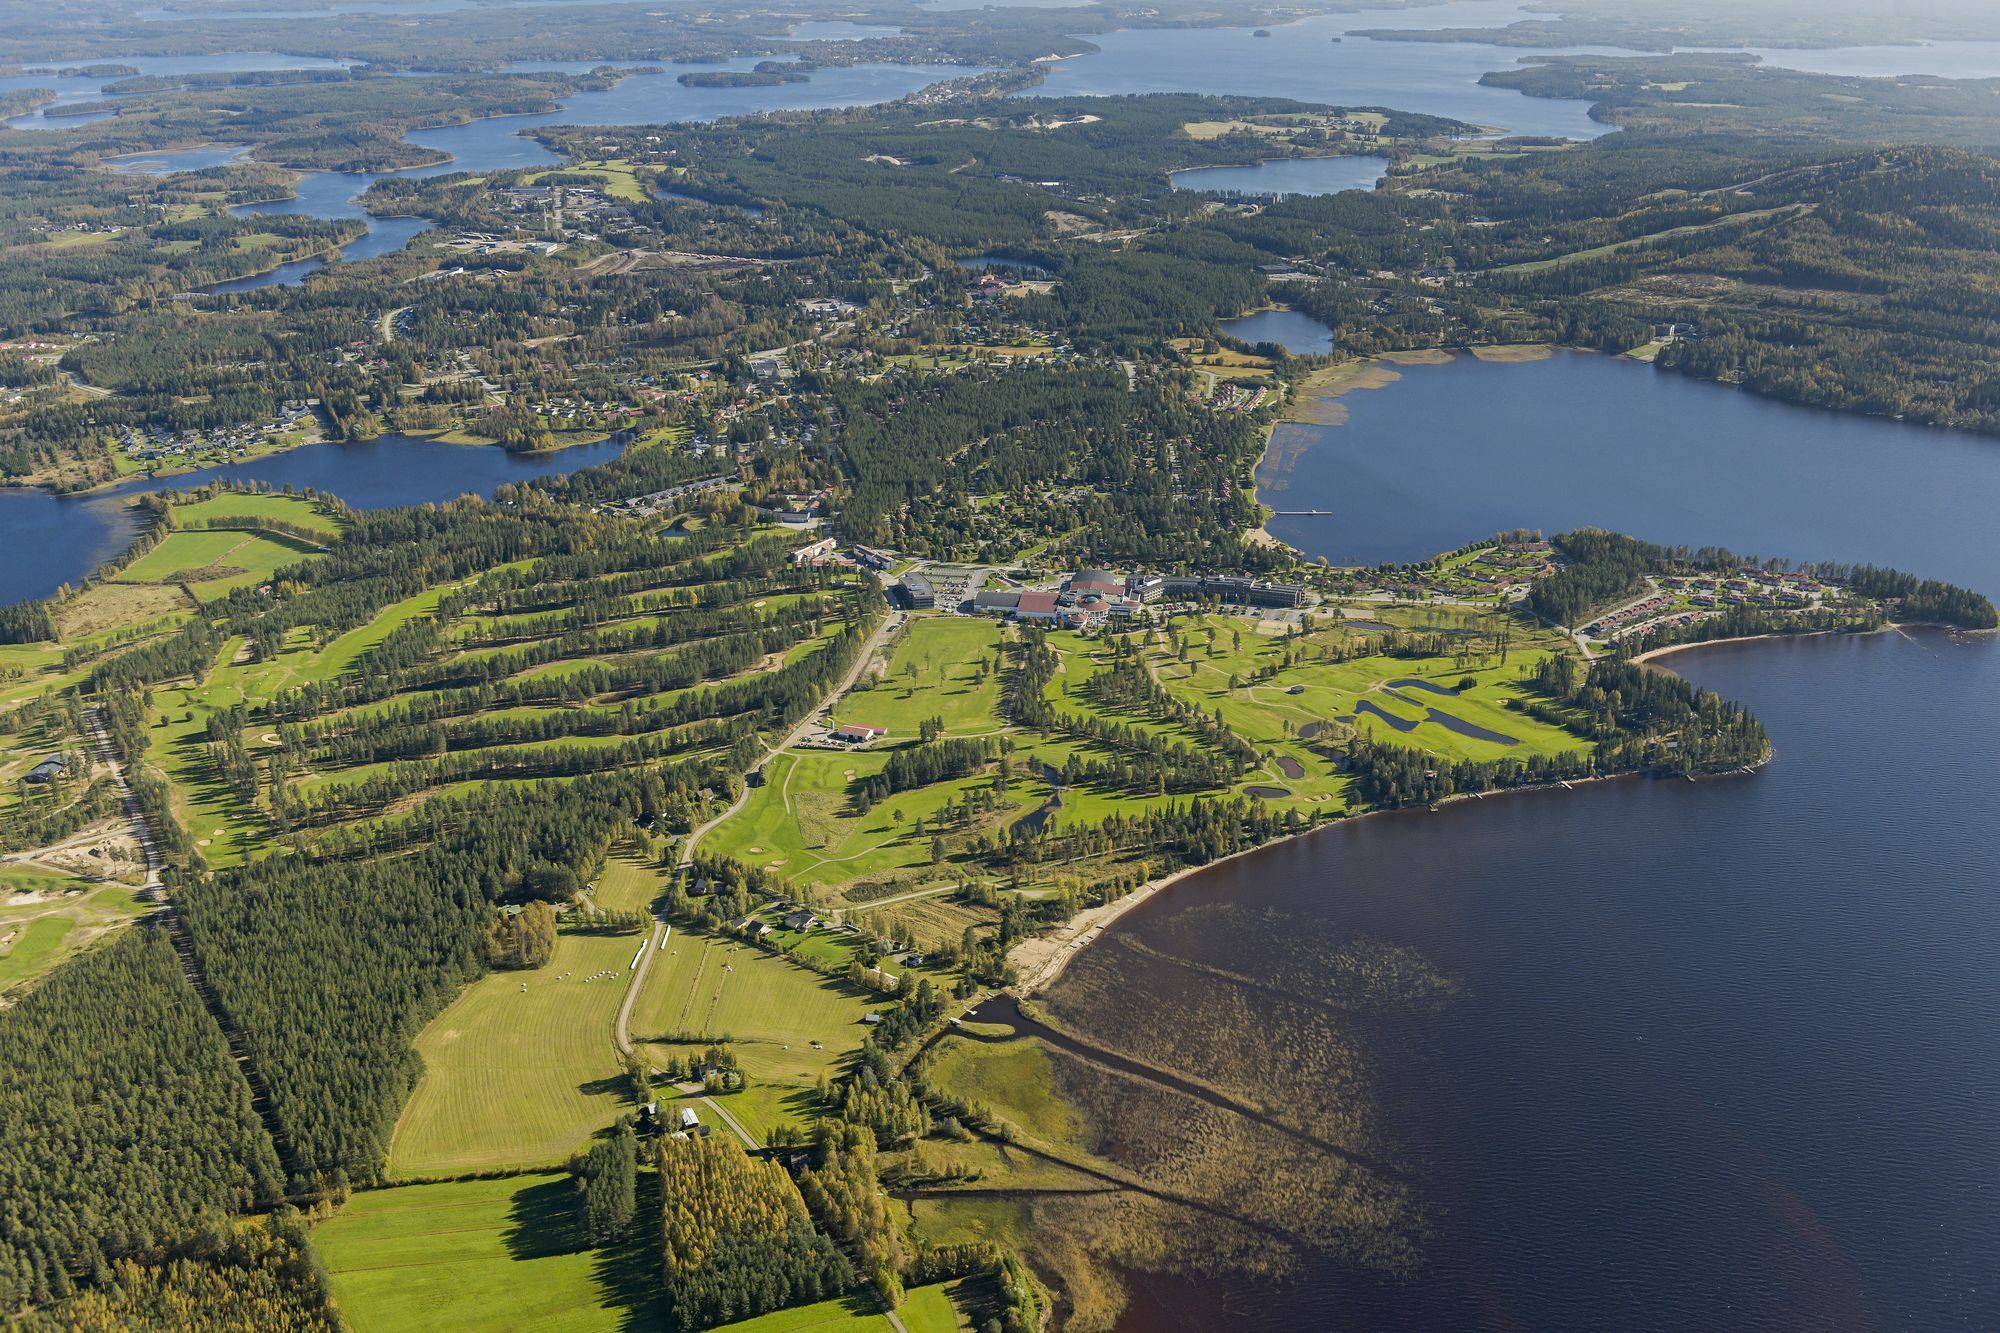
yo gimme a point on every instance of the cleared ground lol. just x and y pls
(516, 1077)
(773, 1010)
(485, 1256)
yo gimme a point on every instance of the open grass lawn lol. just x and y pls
(64, 915)
(484, 1256)
(519, 1078)
(628, 884)
(226, 829)
(290, 509)
(941, 668)
(214, 562)
(1014, 1081)
(772, 1009)
(800, 823)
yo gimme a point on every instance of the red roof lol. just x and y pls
(1037, 604)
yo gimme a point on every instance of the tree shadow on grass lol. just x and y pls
(629, 1273)
(542, 1221)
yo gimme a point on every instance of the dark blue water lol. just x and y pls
(1725, 1054)
(1289, 175)
(59, 540)
(329, 194)
(1301, 335)
(1471, 448)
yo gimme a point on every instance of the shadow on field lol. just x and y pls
(630, 1272)
(542, 1222)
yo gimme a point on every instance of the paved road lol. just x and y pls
(622, 1031)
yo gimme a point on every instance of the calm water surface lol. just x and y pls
(654, 99)
(60, 540)
(1304, 61)
(1300, 335)
(1470, 448)
(1290, 175)
(1726, 1054)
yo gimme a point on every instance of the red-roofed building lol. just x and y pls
(1037, 606)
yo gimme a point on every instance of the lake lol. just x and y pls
(1286, 175)
(1299, 335)
(1712, 1055)
(60, 540)
(1722, 1055)
(1303, 60)
(83, 88)
(653, 99)
(1457, 451)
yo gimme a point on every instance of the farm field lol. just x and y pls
(239, 505)
(519, 1077)
(772, 1010)
(484, 1256)
(215, 561)
(490, 1256)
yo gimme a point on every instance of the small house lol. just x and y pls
(48, 770)
(689, 1120)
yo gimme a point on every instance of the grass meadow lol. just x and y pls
(516, 1077)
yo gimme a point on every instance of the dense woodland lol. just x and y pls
(547, 674)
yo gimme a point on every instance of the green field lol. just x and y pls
(517, 1077)
(940, 668)
(214, 562)
(493, 1256)
(1014, 1081)
(798, 824)
(64, 915)
(485, 1256)
(294, 510)
(774, 1010)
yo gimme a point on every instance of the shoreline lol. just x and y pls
(1043, 958)
(1887, 627)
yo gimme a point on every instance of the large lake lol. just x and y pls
(1724, 1055)
(58, 540)
(1315, 60)
(1721, 1055)
(1467, 449)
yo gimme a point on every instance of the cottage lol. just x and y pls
(689, 1120)
(801, 920)
(48, 770)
